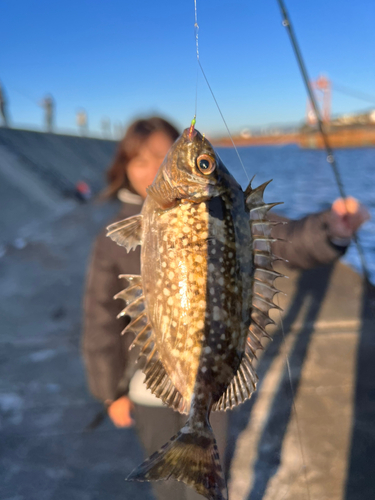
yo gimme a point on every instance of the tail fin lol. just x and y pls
(191, 456)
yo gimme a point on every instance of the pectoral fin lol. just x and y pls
(127, 233)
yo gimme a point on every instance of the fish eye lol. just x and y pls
(206, 164)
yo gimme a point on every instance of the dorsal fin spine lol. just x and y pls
(258, 222)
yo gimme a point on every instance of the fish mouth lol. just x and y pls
(190, 133)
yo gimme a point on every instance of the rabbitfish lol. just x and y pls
(200, 307)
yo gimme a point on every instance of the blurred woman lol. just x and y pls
(113, 376)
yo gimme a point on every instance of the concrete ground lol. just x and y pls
(45, 452)
(322, 447)
(321, 444)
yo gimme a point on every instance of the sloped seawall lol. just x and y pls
(39, 172)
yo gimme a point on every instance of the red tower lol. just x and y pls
(322, 90)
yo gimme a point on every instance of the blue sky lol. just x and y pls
(126, 58)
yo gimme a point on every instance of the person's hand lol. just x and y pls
(346, 217)
(120, 412)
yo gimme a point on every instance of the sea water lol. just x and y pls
(304, 181)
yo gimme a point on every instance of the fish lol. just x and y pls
(200, 308)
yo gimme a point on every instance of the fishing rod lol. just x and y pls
(353, 93)
(330, 156)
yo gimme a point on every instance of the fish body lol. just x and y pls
(196, 275)
(195, 310)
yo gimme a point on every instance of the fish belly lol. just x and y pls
(197, 283)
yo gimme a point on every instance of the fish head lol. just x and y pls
(192, 171)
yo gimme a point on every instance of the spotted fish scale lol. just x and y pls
(201, 306)
(196, 286)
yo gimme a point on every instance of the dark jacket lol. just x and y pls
(109, 364)
(105, 352)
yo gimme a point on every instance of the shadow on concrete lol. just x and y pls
(312, 286)
(361, 480)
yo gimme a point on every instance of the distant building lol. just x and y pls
(362, 118)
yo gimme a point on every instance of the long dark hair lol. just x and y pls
(137, 133)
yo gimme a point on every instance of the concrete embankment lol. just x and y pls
(38, 174)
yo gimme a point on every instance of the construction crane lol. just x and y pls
(322, 89)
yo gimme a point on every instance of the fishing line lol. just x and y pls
(287, 362)
(294, 407)
(330, 156)
(248, 178)
(196, 32)
(358, 94)
(331, 160)
(225, 123)
(196, 27)
(23, 94)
